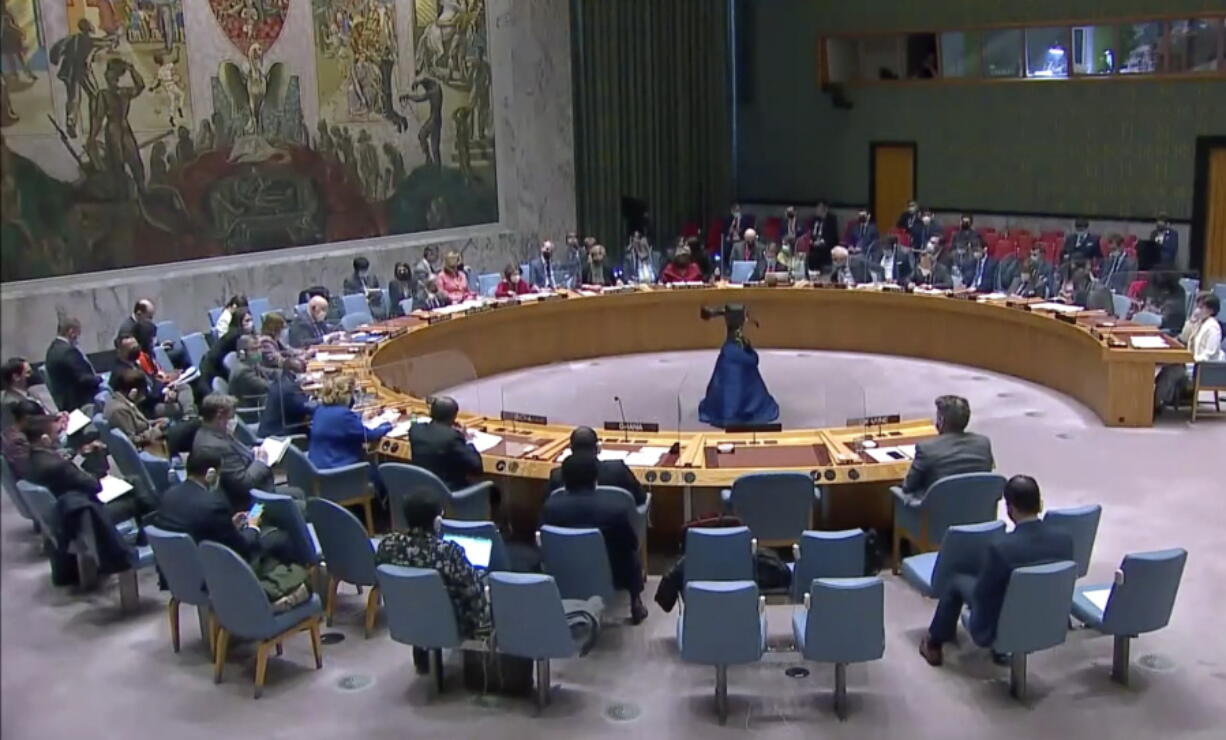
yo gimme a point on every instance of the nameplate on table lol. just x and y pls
(874, 421)
(522, 417)
(631, 426)
(753, 428)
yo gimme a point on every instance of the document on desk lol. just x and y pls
(112, 488)
(401, 429)
(334, 356)
(602, 455)
(76, 422)
(645, 457)
(1057, 307)
(887, 454)
(1098, 597)
(387, 417)
(1147, 341)
(483, 441)
(274, 448)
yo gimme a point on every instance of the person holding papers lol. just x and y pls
(441, 446)
(583, 441)
(242, 468)
(49, 469)
(339, 434)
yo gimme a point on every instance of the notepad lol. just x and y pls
(401, 429)
(76, 422)
(274, 448)
(1098, 597)
(1057, 307)
(378, 420)
(887, 454)
(112, 488)
(483, 441)
(646, 457)
(1147, 341)
(334, 356)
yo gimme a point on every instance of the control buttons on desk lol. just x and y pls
(853, 474)
(829, 474)
(395, 447)
(666, 476)
(500, 466)
(514, 466)
(689, 477)
(651, 476)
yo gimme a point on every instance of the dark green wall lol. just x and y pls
(1118, 148)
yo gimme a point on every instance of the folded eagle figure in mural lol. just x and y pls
(248, 89)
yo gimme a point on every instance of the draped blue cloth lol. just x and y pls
(736, 393)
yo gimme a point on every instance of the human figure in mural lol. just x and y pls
(431, 131)
(479, 98)
(75, 56)
(185, 149)
(108, 19)
(8, 116)
(170, 83)
(168, 24)
(204, 140)
(462, 117)
(158, 166)
(323, 140)
(395, 163)
(13, 46)
(368, 164)
(119, 143)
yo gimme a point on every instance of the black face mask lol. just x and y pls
(133, 355)
(402, 275)
(966, 224)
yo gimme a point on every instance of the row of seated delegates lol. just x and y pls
(199, 508)
(1202, 335)
(242, 468)
(17, 378)
(160, 399)
(362, 282)
(339, 435)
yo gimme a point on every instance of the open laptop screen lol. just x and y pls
(476, 549)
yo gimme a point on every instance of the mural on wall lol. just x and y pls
(25, 81)
(403, 141)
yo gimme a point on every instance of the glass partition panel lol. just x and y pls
(843, 59)
(1095, 50)
(1139, 47)
(844, 401)
(960, 54)
(1002, 53)
(449, 372)
(881, 57)
(1193, 45)
(1047, 53)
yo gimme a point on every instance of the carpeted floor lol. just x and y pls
(72, 666)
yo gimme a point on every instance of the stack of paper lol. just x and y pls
(112, 488)
(76, 422)
(602, 455)
(1147, 341)
(887, 454)
(483, 441)
(274, 448)
(646, 457)
(387, 417)
(1057, 307)
(334, 356)
(401, 429)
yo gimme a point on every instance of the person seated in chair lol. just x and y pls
(441, 446)
(312, 328)
(930, 273)
(890, 261)
(339, 434)
(580, 507)
(123, 409)
(512, 283)
(242, 468)
(48, 468)
(848, 269)
(1032, 542)
(1202, 335)
(954, 451)
(197, 507)
(361, 282)
(583, 441)
(769, 263)
(287, 409)
(249, 381)
(597, 270)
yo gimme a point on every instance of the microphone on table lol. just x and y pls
(622, 410)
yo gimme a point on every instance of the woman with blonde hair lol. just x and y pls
(338, 436)
(453, 281)
(273, 351)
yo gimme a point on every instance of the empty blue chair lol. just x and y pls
(488, 283)
(406, 306)
(722, 623)
(283, 512)
(1219, 290)
(967, 498)
(348, 555)
(230, 363)
(719, 554)
(162, 358)
(1140, 600)
(178, 559)
(168, 331)
(577, 560)
(348, 485)
(529, 622)
(742, 271)
(355, 303)
(1208, 376)
(499, 558)
(961, 551)
(1148, 318)
(524, 270)
(41, 503)
(196, 347)
(351, 321)
(419, 612)
(1034, 615)
(259, 307)
(242, 610)
(214, 317)
(826, 555)
(842, 621)
(1121, 305)
(470, 503)
(9, 482)
(776, 507)
(1081, 522)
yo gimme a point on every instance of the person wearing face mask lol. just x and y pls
(1080, 244)
(339, 434)
(544, 272)
(361, 281)
(435, 298)
(249, 380)
(123, 409)
(575, 258)
(213, 363)
(16, 377)
(791, 225)
(748, 249)
(735, 226)
(931, 273)
(140, 325)
(967, 237)
(242, 468)
(768, 262)
(909, 218)
(1167, 240)
(954, 451)
(1030, 280)
(642, 264)
(287, 409)
(402, 286)
(453, 280)
(1202, 335)
(159, 401)
(597, 271)
(70, 375)
(890, 261)
(848, 269)
(823, 234)
(197, 507)
(861, 233)
(13, 441)
(925, 228)
(512, 283)
(313, 328)
(681, 269)
(1118, 269)
(980, 272)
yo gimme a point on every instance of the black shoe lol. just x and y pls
(638, 613)
(931, 652)
(1001, 658)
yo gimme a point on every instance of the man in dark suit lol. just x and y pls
(909, 218)
(1167, 240)
(747, 250)
(72, 378)
(1032, 542)
(242, 468)
(849, 269)
(1117, 269)
(1080, 244)
(287, 409)
(580, 506)
(891, 262)
(823, 236)
(924, 228)
(768, 261)
(861, 233)
(159, 401)
(48, 468)
(140, 325)
(583, 441)
(441, 447)
(980, 272)
(544, 272)
(198, 508)
(312, 328)
(791, 225)
(954, 451)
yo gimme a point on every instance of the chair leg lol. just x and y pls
(219, 657)
(370, 517)
(1120, 659)
(87, 573)
(316, 645)
(721, 693)
(261, 667)
(280, 650)
(172, 611)
(206, 627)
(129, 591)
(330, 601)
(542, 684)
(1017, 676)
(435, 658)
(840, 690)
(372, 609)
(896, 564)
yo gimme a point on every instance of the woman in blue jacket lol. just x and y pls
(338, 436)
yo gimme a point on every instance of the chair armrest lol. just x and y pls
(476, 489)
(817, 494)
(905, 499)
(344, 470)
(644, 508)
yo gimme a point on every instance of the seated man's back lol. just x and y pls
(442, 449)
(953, 452)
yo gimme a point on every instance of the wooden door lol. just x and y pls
(891, 180)
(1213, 262)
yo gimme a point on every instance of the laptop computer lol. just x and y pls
(476, 549)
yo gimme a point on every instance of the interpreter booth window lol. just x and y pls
(1194, 46)
(1095, 50)
(959, 54)
(1139, 48)
(842, 60)
(1002, 53)
(1047, 53)
(881, 57)
(922, 60)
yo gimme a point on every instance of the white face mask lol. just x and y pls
(231, 425)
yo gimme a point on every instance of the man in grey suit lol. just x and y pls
(747, 250)
(242, 468)
(954, 451)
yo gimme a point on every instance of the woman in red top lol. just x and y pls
(512, 283)
(453, 281)
(681, 269)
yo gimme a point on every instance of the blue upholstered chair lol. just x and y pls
(168, 331)
(722, 623)
(148, 474)
(719, 554)
(220, 385)
(842, 621)
(1081, 523)
(242, 609)
(419, 613)
(577, 560)
(1034, 615)
(351, 321)
(1219, 290)
(1208, 376)
(348, 555)
(640, 514)
(258, 307)
(470, 503)
(499, 558)
(742, 271)
(961, 551)
(41, 503)
(300, 310)
(355, 303)
(178, 559)
(86, 549)
(196, 347)
(230, 363)
(8, 481)
(826, 555)
(529, 622)
(348, 485)
(1121, 305)
(284, 513)
(776, 507)
(406, 306)
(967, 498)
(488, 283)
(162, 358)
(1140, 600)
(1147, 318)
(214, 317)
